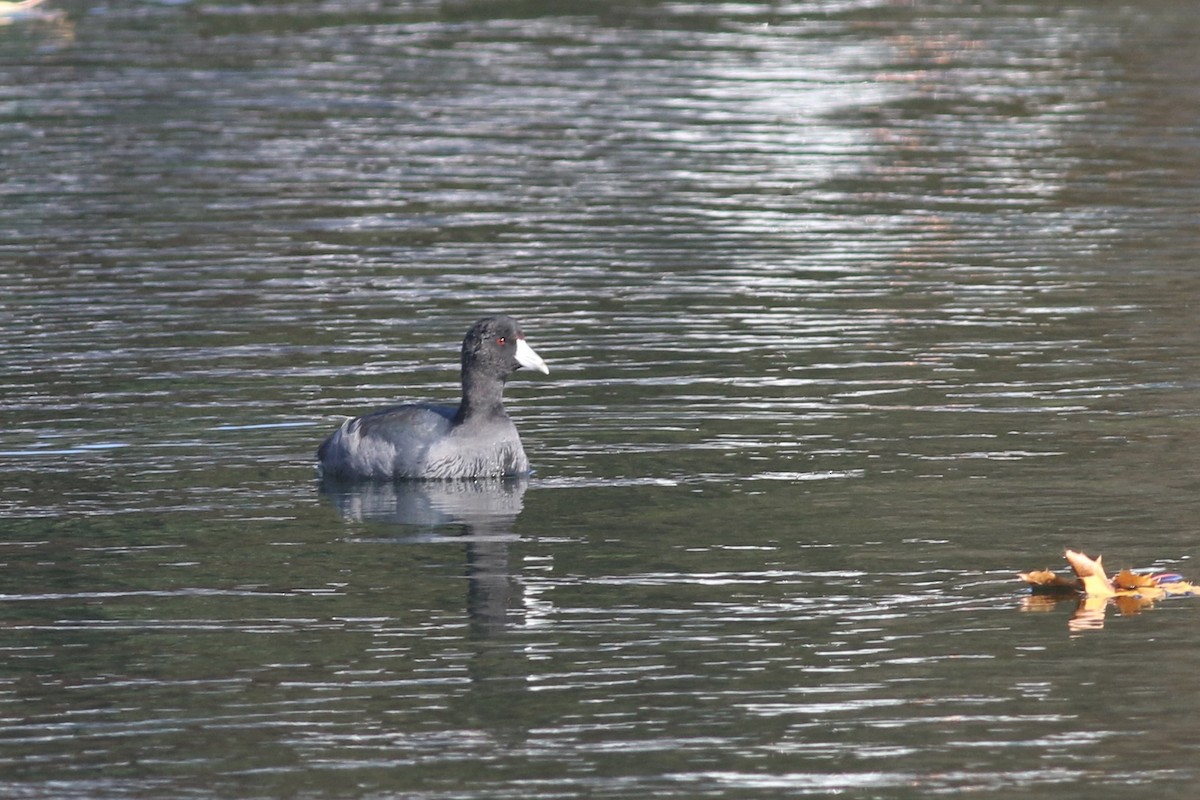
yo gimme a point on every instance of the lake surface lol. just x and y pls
(853, 310)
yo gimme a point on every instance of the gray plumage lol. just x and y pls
(424, 441)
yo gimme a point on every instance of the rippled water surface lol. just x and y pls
(853, 310)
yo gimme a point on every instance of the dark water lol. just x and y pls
(853, 310)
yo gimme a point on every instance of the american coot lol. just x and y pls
(474, 439)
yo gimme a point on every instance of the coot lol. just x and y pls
(474, 439)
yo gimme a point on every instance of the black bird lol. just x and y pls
(474, 439)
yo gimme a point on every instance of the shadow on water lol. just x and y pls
(481, 514)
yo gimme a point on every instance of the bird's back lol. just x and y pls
(389, 443)
(424, 442)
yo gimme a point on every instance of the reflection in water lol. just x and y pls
(945, 248)
(1087, 616)
(483, 511)
(1090, 611)
(481, 514)
(1092, 588)
(41, 25)
(487, 507)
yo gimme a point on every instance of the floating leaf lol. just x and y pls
(1178, 587)
(1091, 572)
(1043, 580)
(1127, 580)
(1128, 590)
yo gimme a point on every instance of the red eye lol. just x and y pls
(500, 340)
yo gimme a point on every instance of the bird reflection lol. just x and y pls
(480, 513)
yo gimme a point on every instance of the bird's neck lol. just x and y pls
(481, 397)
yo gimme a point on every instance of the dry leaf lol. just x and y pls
(1043, 580)
(1127, 580)
(1178, 587)
(1129, 591)
(1091, 572)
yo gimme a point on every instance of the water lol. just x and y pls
(853, 310)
